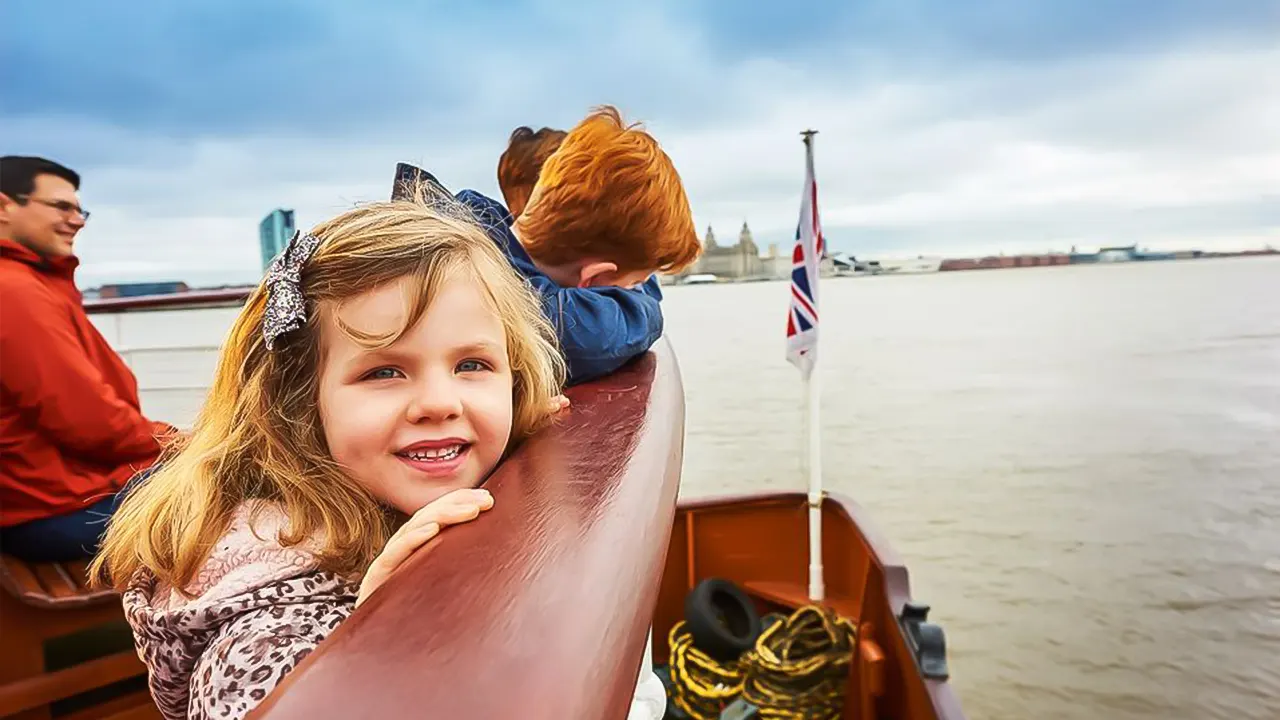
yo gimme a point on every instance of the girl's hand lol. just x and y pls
(559, 403)
(458, 506)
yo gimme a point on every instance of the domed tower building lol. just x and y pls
(737, 261)
(748, 253)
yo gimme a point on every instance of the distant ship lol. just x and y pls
(1118, 253)
(911, 266)
(700, 279)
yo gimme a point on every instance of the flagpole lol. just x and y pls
(816, 586)
(817, 589)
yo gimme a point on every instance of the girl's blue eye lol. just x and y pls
(472, 366)
(384, 373)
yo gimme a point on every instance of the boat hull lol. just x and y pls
(760, 542)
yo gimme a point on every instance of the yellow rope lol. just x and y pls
(701, 686)
(798, 669)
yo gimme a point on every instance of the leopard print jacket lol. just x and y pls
(255, 610)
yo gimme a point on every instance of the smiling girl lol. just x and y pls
(379, 374)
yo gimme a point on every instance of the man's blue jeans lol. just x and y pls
(65, 537)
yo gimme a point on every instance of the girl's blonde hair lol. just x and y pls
(259, 434)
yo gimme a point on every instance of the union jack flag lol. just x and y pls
(802, 319)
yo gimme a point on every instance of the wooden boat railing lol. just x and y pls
(173, 301)
(541, 608)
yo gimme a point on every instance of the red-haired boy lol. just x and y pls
(607, 212)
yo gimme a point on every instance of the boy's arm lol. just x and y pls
(601, 328)
(492, 214)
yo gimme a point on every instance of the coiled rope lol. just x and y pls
(700, 685)
(798, 669)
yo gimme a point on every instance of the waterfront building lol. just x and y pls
(274, 233)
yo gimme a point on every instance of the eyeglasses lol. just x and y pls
(63, 206)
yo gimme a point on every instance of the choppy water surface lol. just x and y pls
(1081, 466)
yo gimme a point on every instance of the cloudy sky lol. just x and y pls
(946, 127)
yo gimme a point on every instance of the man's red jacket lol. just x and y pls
(71, 428)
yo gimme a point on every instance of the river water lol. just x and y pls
(1080, 465)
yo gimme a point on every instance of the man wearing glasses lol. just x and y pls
(71, 431)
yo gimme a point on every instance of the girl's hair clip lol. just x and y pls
(286, 309)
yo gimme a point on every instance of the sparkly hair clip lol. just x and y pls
(286, 309)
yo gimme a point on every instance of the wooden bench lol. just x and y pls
(44, 601)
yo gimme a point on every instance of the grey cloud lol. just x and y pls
(1159, 147)
(1177, 146)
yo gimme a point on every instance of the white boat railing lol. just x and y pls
(171, 343)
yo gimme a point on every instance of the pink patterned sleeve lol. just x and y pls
(253, 653)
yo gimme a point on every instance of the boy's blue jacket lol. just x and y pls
(599, 328)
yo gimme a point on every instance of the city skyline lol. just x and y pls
(728, 259)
